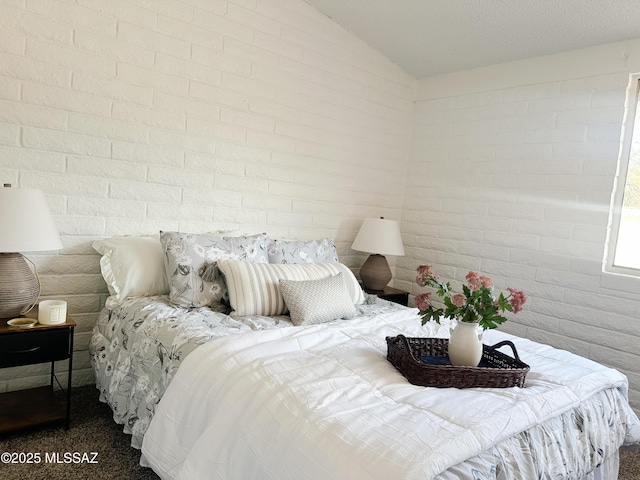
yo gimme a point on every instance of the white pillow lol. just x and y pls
(317, 301)
(132, 267)
(254, 288)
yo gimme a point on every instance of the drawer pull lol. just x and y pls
(28, 350)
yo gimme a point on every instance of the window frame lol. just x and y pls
(615, 211)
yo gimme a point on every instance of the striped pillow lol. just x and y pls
(254, 288)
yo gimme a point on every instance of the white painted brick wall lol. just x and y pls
(136, 116)
(264, 115)
(515, 181)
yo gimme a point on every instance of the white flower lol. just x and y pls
(198, 250)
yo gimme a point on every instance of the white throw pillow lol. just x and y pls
(317, 301)
(132, 267)
(254, 288)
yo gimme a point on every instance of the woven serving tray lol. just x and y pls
(496, 369)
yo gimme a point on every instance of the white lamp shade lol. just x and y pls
(379, 236)
(26, 224)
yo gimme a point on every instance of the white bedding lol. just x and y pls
(322, 402)
(137, 347)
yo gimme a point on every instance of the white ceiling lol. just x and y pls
(430, 37)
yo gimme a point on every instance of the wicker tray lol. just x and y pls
(500, 370)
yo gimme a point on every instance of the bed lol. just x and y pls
(261, 392)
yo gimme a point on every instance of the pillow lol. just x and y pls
(294, 251)
(132, 267)
(254, 288)
(189, 259)
(317, 301)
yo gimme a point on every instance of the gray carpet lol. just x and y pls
(629, 465)
(93, 430)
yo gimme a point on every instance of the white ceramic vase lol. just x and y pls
(465, 345)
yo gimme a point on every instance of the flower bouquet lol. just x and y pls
(476, 304)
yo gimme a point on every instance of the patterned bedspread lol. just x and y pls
(136, 349)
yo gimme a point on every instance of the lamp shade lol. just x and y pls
(25, 222)
(379, 235)
(25, 226)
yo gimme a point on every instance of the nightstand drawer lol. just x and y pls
(34, 347)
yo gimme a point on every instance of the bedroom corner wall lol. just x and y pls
(511, 173)
(136, 116)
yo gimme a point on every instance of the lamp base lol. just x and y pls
(375, 272)
(19, 287)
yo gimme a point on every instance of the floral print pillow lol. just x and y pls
(293, 251)
(194, 278)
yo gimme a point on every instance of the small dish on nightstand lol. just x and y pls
(22, 322)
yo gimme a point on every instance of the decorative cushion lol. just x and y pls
(254, 288)
(317, 301)
(294, 251)
(194, 279)
(132, 267)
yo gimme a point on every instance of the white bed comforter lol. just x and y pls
(322, 402)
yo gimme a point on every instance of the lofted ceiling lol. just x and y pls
(431, 37)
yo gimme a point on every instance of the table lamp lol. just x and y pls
(26, 225)
(379, 237)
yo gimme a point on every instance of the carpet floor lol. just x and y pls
(94, 431)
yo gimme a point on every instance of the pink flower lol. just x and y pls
(459, 299)
(425, 274)
(477, 281)
(474, 281)
(516, 299)
(423, 301)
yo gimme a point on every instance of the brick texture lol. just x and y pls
(516, 182)
(138, 116)
(267, 116)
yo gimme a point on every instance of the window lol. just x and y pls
(623, 252)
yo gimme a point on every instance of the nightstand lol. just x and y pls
(28, 346)
(391, 294)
